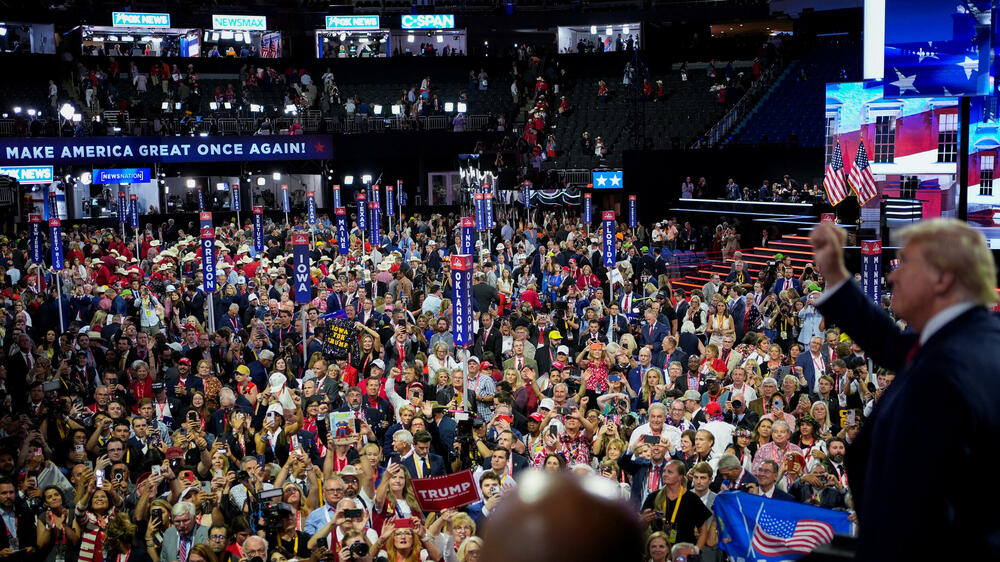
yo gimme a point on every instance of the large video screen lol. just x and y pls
(938, 47)
(911, 143)
(984, 142)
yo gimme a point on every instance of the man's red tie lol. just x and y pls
(912, 353)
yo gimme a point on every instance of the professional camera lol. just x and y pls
(359, 549)
(737, 404)
(274, 515)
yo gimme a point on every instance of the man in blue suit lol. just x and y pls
(943, 288)
(647, 474)
(767, 476)
(489, 488)
(814, 364)
(787, 282)
(652, 332)
(423, 463)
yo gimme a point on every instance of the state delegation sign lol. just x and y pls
(442, 492)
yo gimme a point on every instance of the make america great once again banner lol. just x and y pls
(122, 150)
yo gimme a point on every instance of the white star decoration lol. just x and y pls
(922, 54)
(968, 65)
(601, 180)
(615, 180)
(904, 83)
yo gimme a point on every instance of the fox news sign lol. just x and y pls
(139, 19)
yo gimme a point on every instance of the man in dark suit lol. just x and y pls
(731, 475)
(614, 324)
(942, 288)
(185, 382)
(814, 363)
(646, 474)
(17, 540)
(767, 476)
(423, 463)
(489, 337)
(652, 332)
(787, 282)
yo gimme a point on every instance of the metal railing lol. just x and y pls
(740, 109)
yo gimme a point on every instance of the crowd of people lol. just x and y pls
(132, 429)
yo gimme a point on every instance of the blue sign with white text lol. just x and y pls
(134, 209)
(25, 151)
(461, 277)
(258, 229)
(35, 240)
(207, 232)
(343, 238)
(588, 208)
(235, 189)
(285, 206)
(300, 262)
(607, 179)
(122, 175)
(362, 211)
(608, 248)
(311, 207)
(28, 174)
(428, 21)
(122, 207)
(55, 237)
(139, 19)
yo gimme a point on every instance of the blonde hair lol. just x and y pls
(951, 246)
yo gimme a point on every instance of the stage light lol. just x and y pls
(77, 117)
(190, 183)
(348, 180)
(593, 30)
(366, 179)
(610, 30)
(261, 180)
(409, 38)
(290, 109)
(377, 109)
(17, 110)
(254, 108)
(214, 106)
(449, 107)
(178, 106)
(462, 107)
(625, 29)
(86, 178)
(440, 39)
(276, 176)
(227, 105)
(165, 106)
(220, 186)
(66, 111)
(397, 109)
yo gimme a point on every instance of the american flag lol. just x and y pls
(861, 176)
(836, 180)
(780, 537)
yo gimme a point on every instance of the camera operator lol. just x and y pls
(279, 523)
(783, 321)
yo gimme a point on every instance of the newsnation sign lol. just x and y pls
(123, 150)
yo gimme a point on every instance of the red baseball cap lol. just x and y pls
(184, 361)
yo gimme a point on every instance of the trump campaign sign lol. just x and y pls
(343, 238)
(608, 248)
(207, 251)
(468, 227)
(871, 269)
(441, 492)
(300, 260)
(461, 276)
(258, 229)
(35, 241)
